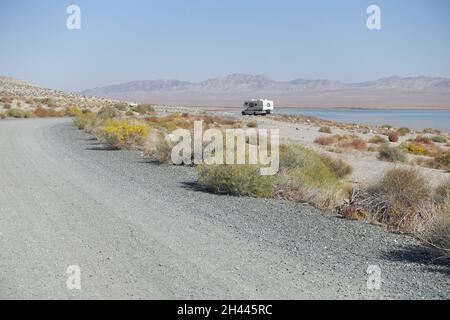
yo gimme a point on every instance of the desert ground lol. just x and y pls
(142, 230)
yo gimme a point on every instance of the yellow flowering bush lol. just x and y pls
(119, 134)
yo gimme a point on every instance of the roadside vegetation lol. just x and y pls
(401, 200)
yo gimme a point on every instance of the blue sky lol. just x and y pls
(198, 39)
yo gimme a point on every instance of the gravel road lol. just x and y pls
(140, 230)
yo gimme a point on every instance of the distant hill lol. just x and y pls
(19, 94)
(392, 92)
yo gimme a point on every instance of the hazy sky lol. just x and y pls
(193, 40)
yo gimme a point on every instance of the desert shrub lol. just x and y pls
(121, 106)
(438, 232)
(18, 113)
(73, 111)
(239, 180)
(403, 131)
(355, 143)
(252, 124)
(442, 193)
(163, 150)
(324, 141)
(393, 136)
(377, 139)
(122, 134)
(86, 121)
(144, 109)
(439, 139)
(2, 115)
(325, 130)
(305, 177)
(428, 130)
(47, 113)
(340, 168)
(441, 161)
(417, 149)
(387, 153)
(386, 126)
(129, 113)
(107, 112)
(397, 199)
(423, 140)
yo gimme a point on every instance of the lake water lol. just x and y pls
(414, 119)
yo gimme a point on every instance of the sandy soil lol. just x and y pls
(366, 166)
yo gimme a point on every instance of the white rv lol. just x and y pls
(258, 107)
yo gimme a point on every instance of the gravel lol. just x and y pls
(139, 230)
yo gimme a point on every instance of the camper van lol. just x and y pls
(258, 107)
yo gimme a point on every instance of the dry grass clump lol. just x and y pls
(325, 130)
(403, 200)
(403, 131)
(396, 200)
(144, 109)
(439, 139)
(339, 167)
(386, 153)
(344, 142)
(157, 147)
(325, 140)
(107, 112)
(423, 140)
(18, 113)
(377, 139)
(122, 134)
(252, 124)
(48, 113)
(440, 161)
(86, 121)
(2, 115)
(353, 143)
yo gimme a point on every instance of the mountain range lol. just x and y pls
(231, 90)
